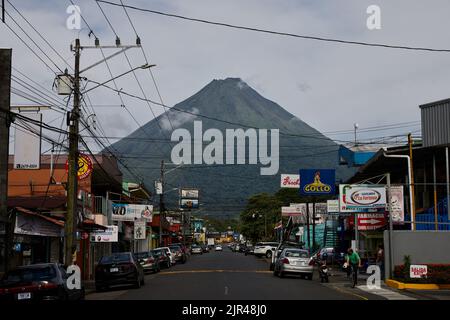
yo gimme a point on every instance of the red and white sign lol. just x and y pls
(290, 181)
(371, 221)
(418, 271)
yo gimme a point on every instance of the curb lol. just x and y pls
(416, 286)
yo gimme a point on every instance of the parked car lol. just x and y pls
(118, 269)
(148, 261)
(170, 253)
(196, 249)
(218, 248)
(162, 257)
(331, 255)
(43, 281)
(281, 246)
(265, 249)
(180, 255)
(294, 261)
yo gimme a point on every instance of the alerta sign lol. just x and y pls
(316, 182)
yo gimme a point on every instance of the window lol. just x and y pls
(296, 254)
(120, 257)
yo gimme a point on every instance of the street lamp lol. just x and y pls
(144, 66)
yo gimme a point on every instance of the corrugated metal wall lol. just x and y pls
(436, 123)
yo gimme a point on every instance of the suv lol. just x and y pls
(265, 249)
(280, 247)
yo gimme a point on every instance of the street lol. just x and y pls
(230, 276)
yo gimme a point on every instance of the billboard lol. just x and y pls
(27, 146)
(295, 209)
(189, 203)
(130, 212)
(362, 198)
(189, 193)
(109, 235)
(290, 181)
(316, 182)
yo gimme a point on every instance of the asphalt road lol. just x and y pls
(230, 276)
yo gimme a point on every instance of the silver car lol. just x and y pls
(294, 261)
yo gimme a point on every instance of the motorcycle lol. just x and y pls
(323, 270)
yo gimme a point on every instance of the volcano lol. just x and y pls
(224, 105)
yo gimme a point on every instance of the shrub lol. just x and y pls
(437, 273)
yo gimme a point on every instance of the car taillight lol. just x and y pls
(311, 262)
(48, 285)
(285, 261)
(128, 266)
(150, 260)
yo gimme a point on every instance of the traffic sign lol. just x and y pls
(371, 221)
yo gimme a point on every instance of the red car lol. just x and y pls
(44, 281)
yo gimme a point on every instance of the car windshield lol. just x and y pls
(142, 255)
(296, 254)
(157, 252)
(120, 257)
(175, 248)
(44, 273)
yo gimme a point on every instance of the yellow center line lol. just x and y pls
(349, 293)
(216, 270)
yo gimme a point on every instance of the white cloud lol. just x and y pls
(351, 83)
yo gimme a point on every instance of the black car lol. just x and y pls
(44, 281)
(118, 269)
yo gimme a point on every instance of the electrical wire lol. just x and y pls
(278, 33)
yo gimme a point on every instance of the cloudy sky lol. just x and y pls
(330, 86)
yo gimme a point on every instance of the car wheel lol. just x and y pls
(309, 276)
(99, 288)
(269, 254)
(271, 267)
(281, 274)
(137, 284)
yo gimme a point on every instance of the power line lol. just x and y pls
(278, 33)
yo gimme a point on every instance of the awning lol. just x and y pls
(35, 224)
(89, 225)
(52, 220)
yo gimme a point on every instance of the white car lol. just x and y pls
(170, 253)
(218, 248)
(265, 249)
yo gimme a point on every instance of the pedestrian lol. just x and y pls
(353, 262)
(380, 259)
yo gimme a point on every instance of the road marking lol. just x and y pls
(348, 292)
(388, 294)
(226, 290)
(214, 271)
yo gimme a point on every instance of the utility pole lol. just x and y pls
(6, 222)
(72, 186)
(161, 203)
(413, 201)
(391, 249)
(307, 227)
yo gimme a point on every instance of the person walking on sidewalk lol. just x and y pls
(353, 262)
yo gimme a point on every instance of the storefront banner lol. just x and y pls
(397, 204)
(362, 198)
(109, 235)
(130, 212)
(140, 229)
